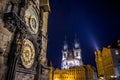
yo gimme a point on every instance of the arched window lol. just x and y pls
(65, 55)
(76, 53)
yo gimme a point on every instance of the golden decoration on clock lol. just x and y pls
(27, 53)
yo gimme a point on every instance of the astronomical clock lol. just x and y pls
(27, 53)
(31, 20)
(25, 19)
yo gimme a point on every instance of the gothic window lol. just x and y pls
(65, 55)
(66, 63)
(76, 53)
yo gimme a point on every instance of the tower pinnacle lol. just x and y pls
(65, 47)
(76, 43)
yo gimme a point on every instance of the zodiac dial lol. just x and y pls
(27, 53)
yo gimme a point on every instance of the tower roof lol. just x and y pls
(76, 43)
(65, 47)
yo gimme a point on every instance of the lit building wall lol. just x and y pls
(90, 72)
(116, 61)
(108, 62)
(99, 63)
(44, 38)
(74, 73)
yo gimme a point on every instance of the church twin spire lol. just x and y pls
(76, 44)
(71, 58)
(65, 47)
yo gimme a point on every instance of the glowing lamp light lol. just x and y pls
(101, 78)
(116, 52)
(112, 76)
(56, 79)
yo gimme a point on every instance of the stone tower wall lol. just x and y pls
(5, 40)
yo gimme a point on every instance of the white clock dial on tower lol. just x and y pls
(31, 20)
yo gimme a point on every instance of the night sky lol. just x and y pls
(95, 22)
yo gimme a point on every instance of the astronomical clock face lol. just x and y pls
(31, 20)
(27, 53)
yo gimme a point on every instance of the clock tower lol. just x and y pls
(26, 20)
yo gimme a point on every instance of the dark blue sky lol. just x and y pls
(96, 23)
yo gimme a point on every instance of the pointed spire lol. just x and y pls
(76, 42)
(51, 63)
(76, 39)
(65, 44)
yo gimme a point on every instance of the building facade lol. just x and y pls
(72, 66)
(74, 73)
(71, 58)
(23, 39)
(108, 62)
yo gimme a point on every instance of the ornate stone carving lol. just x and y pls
(14, 21)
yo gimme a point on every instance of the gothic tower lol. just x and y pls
(65, 50)
(77, 52)
(64, 54)
(71, 58)
(23, 36)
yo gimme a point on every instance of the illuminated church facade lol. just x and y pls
(71, 58)
(72, 67)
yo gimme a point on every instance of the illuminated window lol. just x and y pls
(65, 55)
(116, 52)
(76, 53)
